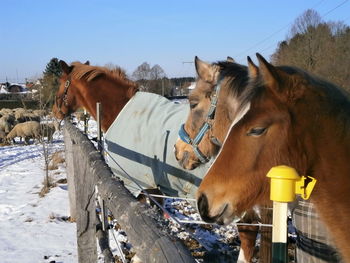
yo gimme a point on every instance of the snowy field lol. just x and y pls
(33, 228)
(36, 229)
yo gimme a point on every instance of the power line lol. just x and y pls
(342, 3)
(276, 32)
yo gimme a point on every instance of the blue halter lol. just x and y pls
(203, 130)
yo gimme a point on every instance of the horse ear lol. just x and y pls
(230, 59)
(205, 71)
(65, 68)
(252, 68)
(268, 72)
(87, 62)
(277, 80)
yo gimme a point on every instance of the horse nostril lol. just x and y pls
(203, 206)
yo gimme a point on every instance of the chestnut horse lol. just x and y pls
(212, 110)
(290, 118)
(83, 85)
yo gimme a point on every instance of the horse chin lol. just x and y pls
(187, 162)
(227, 217)
(232, 218)
(224, 215)
(192, 165)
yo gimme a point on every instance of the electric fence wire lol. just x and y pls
(284, 27)
(173, 218)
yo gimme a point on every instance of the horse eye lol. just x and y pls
(193, 105)
(257, 131)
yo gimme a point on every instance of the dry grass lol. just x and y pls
(47, 186)
(56, 159)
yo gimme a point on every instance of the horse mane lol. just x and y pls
(89, 73)
(328, 93)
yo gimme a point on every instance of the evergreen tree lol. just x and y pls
(50, 83)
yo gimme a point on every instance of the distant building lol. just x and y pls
(13, 88)
(3, 88)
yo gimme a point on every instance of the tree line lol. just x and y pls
(319, 47)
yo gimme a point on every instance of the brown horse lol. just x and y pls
(83, 85)
(213, 107)
(291, 118)
(212, 110)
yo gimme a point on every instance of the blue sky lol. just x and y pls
(128, 33)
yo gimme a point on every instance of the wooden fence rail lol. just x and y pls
(87, 169)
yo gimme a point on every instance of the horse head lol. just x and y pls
(274, 130)
(66, 99)
(213, 108)
(82, 86)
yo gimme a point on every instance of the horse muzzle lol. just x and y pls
(224, 215)
(185, 158)
(187, 163)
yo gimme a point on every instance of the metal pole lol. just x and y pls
(100, 148)
(279, 232)
(99, 132)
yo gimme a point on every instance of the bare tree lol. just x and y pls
(157, 72)
(318, 47)
(142, 75)
(308, 20)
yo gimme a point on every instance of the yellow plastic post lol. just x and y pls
(283, 180)
(285, 184)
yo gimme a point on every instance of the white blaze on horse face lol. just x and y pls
(238, 117)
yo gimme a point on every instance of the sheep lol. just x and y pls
(40, 113)
(26, 130)
(6, 123)
(24, 116)
(5, 111)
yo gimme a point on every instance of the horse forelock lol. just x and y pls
(253, 90)
(236, 76)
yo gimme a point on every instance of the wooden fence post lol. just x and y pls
(86, 121)
(150, 243)
(265, 235)
(70, 174)
(84, 183)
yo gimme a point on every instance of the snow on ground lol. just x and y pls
(33, 228)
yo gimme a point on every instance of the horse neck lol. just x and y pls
(112, 97)
(331, 195)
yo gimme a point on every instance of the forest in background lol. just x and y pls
(319, 47)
